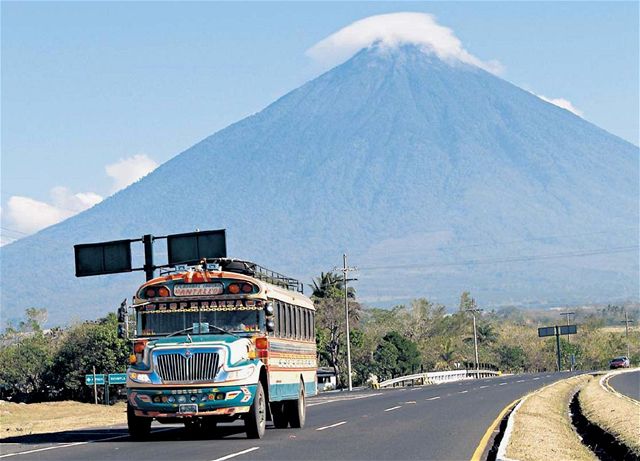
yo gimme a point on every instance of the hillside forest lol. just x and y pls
(44, 365)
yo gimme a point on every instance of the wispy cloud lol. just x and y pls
(27, 215)
(564, 103)
(126, 171)
(392, 30)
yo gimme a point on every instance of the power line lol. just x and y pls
(575, 254)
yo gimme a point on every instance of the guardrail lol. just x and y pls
(436, 377)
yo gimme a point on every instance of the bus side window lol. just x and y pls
(313, 325)
(283, 320)
(308, 324)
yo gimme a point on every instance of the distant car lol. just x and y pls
(619, 362)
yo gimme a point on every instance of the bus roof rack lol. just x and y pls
(260, 272)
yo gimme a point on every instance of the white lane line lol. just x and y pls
(433, 398)
(463, 392)
(547, 376)
(343, 400)
(483, 387)
(536, 378)
(416, 389)
(74, 444)
(502, 384)
(520, 381)
(233, 455)
(330, 426)
(393, 408)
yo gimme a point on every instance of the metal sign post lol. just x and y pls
(95, 387)
(557, 331)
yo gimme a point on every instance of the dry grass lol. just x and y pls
(616, 415)
(542, 427)
(39, 418)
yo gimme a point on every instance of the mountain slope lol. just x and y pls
(399, 158)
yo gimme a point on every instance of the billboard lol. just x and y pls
(103, 258)
(192, 247)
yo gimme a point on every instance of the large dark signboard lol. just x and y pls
(546, 331)
(103, 258)
(568, 329)
(192, 247)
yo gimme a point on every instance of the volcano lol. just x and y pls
(435, 177)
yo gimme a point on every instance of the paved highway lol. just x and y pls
(627, 384)
(444, 421)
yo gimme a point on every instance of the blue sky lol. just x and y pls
(95, 94)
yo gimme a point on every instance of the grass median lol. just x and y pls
(616, 415)
(41, 418)
(542, 426)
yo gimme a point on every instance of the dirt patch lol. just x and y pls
(616, 415)
(542, 426)
(40, 418)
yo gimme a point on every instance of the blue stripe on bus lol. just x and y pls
(290, 391)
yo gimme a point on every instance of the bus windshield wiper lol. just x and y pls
(222, 330)
(178, 332)
(218, 329)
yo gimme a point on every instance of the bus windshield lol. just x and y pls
(162, 323)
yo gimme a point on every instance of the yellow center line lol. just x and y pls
(484, 441)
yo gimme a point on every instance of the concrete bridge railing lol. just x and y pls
(436, 377)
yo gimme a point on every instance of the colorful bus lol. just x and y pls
(220, 341)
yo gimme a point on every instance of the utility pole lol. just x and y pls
(95, 387)
(567, 315)
(473, 310)
(626, 322)
(345, 272)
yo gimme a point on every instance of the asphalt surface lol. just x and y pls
(443, 421)
(627, 384)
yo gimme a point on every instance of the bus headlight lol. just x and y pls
(239, 374)
(142, 378)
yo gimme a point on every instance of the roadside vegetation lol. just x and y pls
(46, 365)
(542, 427)
(616, 415)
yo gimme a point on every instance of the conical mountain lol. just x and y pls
(435, 176)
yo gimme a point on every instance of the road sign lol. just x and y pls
(568, 329)
(117, 378)
(546, 331)
(88, 379)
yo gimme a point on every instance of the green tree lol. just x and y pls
(84, 346)
(512, 358)
(26, 354)
(397, 355)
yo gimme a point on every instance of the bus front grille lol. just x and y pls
(198, 366)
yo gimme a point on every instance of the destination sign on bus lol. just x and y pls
(223, 304)
(198, 289)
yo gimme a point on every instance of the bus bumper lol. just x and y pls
(187, 403)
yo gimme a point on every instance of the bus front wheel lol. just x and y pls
(139, 427)
(255, 421)
(296, 410)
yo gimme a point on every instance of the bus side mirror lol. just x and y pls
(122, 331)
(271, 326)
(123, 318)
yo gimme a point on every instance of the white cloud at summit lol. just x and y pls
(393, 30)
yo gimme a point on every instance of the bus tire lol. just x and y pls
(278, 415)
(255, 421)
(296, 410)
(139, 426)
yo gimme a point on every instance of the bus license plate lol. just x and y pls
(188, 408)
